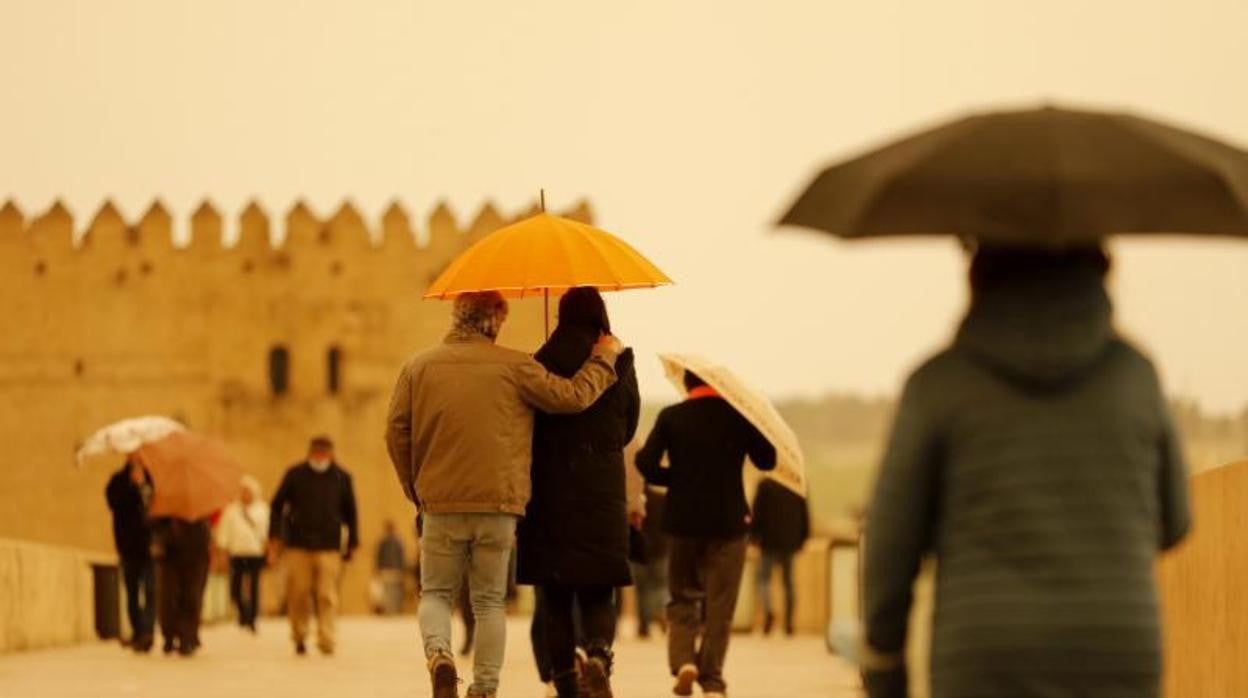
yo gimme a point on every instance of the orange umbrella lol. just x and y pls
(547, 253)
(192, 475)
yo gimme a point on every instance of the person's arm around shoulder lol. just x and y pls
(649, 458)
(554, 394)
(399, 433)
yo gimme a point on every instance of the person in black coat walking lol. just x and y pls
(780, 527)
(706, 441)
(129, 492)
(573, 542)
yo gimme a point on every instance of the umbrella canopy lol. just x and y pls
(546, 254)
(1042, 178)
(192, 475)
(790, 463)
(127, 436)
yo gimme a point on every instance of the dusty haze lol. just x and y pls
(690, 126)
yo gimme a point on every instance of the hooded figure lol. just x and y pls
(1036, 461)
(242, 532)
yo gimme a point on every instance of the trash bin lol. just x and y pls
(106, 580)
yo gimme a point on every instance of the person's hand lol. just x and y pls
(274, 553)
(610, 343)
(637, 519)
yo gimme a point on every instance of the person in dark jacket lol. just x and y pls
(312, 507)
(780, 527)
(1035, 459)
(128, 493)
(573, 541)
(182, 551)
(706, 442)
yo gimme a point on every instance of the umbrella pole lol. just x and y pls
(546, 309)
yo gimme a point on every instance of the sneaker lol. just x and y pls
(686, 677)
(597, 679)
(443, 676)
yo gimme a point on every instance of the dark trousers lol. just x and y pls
(769, 560)
(183, 573)
(704, 577)
(139, 576)
(538, 634)
(245, 587)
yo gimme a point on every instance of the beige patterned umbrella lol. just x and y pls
(790, 464)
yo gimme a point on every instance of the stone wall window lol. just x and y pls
(279, 370)
(333, 369)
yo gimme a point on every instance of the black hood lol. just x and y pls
(1042, 330)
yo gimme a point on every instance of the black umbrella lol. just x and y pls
(1045, 177)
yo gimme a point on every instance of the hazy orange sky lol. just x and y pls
(690, 126)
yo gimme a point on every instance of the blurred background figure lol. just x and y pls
(1035, 458)
(129, 494)
(780, 527)
(574, 540)
(391, 567)
(242, 533)
(649, 562)
(182, 550)
(314, 529)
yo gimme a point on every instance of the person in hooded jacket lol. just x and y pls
(574, 540)
(1035, 459)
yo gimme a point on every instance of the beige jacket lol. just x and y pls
(460, 431)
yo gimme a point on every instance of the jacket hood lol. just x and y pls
(1042, 330)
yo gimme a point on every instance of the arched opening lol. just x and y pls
(333, 366)
(279, 370)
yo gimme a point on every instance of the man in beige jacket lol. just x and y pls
(460, 435)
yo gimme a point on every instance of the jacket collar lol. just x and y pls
(464, 337)
(702, 391)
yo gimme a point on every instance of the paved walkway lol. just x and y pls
(381, 658)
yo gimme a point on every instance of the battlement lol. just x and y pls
(54, 231)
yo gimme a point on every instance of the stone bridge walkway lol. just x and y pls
(380, 658)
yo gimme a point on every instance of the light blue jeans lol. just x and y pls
(481, 545)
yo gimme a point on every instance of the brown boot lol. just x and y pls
(443, 676)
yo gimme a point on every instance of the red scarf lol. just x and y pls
(703, 391)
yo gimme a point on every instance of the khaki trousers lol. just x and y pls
(311, 572)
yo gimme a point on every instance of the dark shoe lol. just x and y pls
(169, 646)
(598, 678)
(327, 650)
(568, 685)
(443, 676)
(301, 649)
(188, 649)
(769, 620)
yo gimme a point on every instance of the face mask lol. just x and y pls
(318, 465)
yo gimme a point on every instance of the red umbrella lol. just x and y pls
(192, 475)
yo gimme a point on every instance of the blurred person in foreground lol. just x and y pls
(706, 440)
(1035, 459)
(574, 539)
(242, 532)
(129, 494)
(460, 435)
(780, 527)
(314, 530)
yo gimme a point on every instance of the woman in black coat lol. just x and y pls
(573, 542)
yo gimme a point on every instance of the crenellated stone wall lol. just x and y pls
(119, 319)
